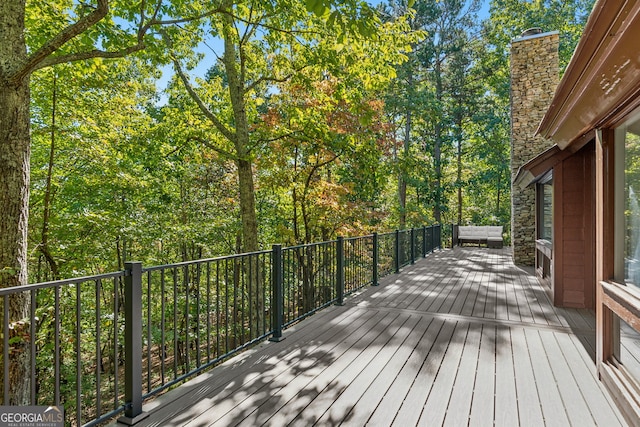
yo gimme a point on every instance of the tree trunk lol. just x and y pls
(437, 149)
(402, 179)
(48, 193)
(233, 60)
(498, 198)
(294, 198)
(458, 131)
(14, 189)
(248, 206)
(233, 55)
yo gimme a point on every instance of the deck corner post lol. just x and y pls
(340, 271)
(376, 256)
(413, 245)
(433, 237)
(396, 252)
(277, 305)
(424, 241)
(453, 235)
(133, 344)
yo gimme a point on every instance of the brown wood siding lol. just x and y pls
(558, 236)
(574, 239)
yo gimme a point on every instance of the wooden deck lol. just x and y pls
(461, 338)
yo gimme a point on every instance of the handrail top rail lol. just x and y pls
(63, 282)
(123, 273)
(307, 245)
(204, 260)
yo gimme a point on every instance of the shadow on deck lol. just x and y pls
(462, 337)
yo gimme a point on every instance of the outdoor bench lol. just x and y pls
(490, 235)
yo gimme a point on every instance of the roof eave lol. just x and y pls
(602, 80)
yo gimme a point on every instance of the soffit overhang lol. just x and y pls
(602, 82)
(536, 168)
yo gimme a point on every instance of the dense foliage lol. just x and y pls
(395, 120)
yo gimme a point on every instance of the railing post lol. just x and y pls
(277, 307)
(133, 344)
(376, 256)
(397, 251)
(433, 237)
(340, 271)
(424, 241)
(452, 236)
(413, 246)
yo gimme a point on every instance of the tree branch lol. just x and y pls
(43, 58)
(276, 138)
(224, 153)
(208, 114)
(68, 33)
(219, 9)
(260, 23)
(80, 56)
(269, 79)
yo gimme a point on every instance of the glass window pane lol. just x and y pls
(629, 350)
(547, 212)
(632, 203)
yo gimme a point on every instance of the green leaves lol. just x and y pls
(318, 7)
(313, 76)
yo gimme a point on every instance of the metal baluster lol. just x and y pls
(5, 349)
(277, 304)
(98, 350)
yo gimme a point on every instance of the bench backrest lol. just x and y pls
(472, 231)
(479, 231)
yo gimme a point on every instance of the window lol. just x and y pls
(627, 209)
(545, 208)
(622, 333)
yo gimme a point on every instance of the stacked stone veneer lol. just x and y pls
(534, 78)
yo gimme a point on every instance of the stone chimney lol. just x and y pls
(534, 78)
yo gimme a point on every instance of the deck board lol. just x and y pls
(575, 403)
(459, 405)
(415, 369)
(340, 408)
(462, 337)
(434, 410)
(337, 386)
(437, 370)
(315, 378)
(581, 367)
(551, 402)
(482, 405)
(506, 398)
(529, 409)
(362, 408)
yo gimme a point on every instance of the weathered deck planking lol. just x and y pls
(551, 402)
(461, 338)
(482, 405)
(506, 411)
(457, 407)
(565, 381)
(415, 370)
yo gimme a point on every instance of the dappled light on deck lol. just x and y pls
(463, 337)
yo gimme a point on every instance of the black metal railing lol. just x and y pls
(197, 313)
(101, 345)
(309, 279)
